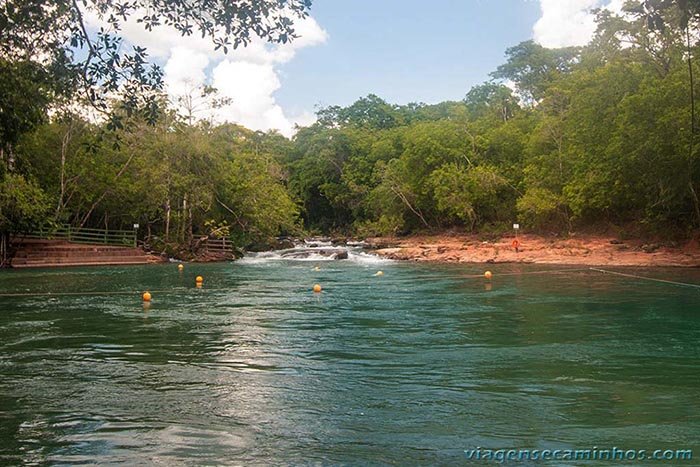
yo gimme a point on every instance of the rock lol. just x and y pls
(380, 245)
(318, 239)
(296, 254)
(258, 247)
(343, 254)
(616, 242)
(339, 241)
(283, 243)
(650, 248)
(355, 242)
(305, 253)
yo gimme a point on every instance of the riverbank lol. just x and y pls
(586, 250)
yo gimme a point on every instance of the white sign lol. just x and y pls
(516, 226)
(136, 226)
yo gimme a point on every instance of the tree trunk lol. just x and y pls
(691, 151)
(696, 202)
(64, 149)
(183, 223)
(415, 211)
(106, 192)
(189, 225)
(4, 244)
(167, 219)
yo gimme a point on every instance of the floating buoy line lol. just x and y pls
(317, 288)
(651, 279)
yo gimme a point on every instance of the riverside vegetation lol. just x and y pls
(596, 136)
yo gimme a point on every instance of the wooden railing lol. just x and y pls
(221, 246)
(86, 235)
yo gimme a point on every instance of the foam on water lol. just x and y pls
(270, 256)
(367, 258)
(320, 252)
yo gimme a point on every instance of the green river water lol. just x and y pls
(414, 367)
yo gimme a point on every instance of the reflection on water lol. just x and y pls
(411, 367)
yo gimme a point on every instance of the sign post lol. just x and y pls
(136, 228)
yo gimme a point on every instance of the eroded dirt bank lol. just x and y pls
(581, 250)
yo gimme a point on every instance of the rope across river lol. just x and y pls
(395, 281)
(652, 279)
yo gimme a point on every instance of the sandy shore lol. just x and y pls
(578, 250)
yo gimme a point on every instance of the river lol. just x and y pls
(412, 367)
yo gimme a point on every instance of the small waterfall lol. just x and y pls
(318, 250)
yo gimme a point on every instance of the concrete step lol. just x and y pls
(38, 241)
(70, 254)
(61, 244)
(84, 247)
(60, 253)
(77, 249)
(77, 263)
(82, 257)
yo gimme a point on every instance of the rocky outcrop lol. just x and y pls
(303, 253)
(581, 250)
(342, 254)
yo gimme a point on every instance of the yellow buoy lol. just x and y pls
(146, 296)
(199, 279)
(180, 267)
(317, 288)
(488, 275)
(379, 273)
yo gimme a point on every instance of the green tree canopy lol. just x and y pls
(533, 68)
(56, 35)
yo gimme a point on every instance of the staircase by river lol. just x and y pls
(39, 253)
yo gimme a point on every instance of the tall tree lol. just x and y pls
(676, 19)
(533, 68)
(492, 99)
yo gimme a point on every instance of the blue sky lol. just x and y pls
(403, 50)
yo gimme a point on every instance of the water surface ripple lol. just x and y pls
(410, 368)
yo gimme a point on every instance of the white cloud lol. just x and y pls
(569, 22)
(185, 69)
(248, 76)
(251, 87)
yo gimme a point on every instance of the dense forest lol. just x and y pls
(596, 137)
